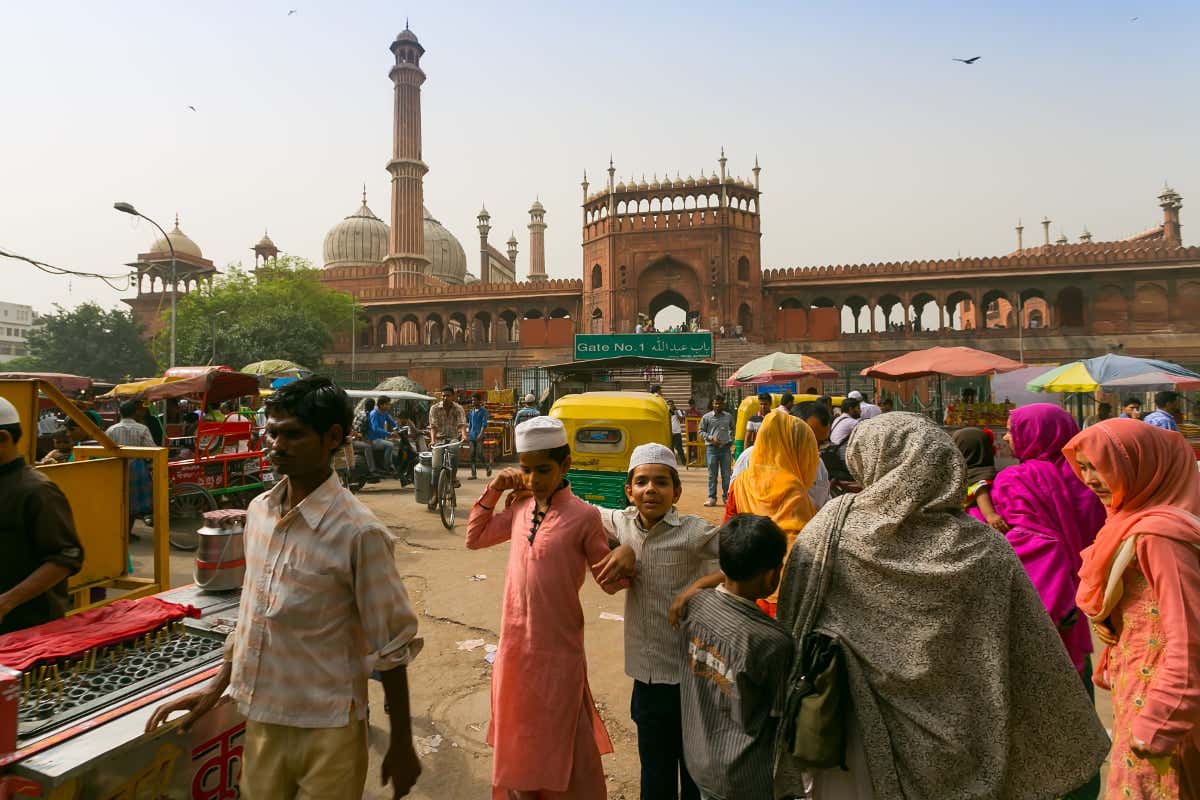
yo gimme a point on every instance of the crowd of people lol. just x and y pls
(960, 600)
(927, 636)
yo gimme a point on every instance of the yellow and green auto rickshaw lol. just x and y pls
(602, 429)
(749, 407)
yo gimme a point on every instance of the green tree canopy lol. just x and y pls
(278, 311)
(88, 340)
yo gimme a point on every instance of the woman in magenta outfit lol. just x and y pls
(1051, 516)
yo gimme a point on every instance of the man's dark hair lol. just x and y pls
(1163, 399)
(1132, 401)
(13, 430)
(850, 403)
(825, 400)
(970, 390)
(383, 400)
(812, 408)
(129, 408)
(448, 388)
(656, 389)
(691, 401)
(1104, 407)
(317, 402)
(787, 399)
(749, 545)
(764, 398)
(369, 404)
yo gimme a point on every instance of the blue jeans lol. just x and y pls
(655, 710)
(718, 459)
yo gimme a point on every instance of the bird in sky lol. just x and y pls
(293, 11)
(1134, 19)
(970, 60)
(193, 108)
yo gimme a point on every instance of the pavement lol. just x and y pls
(458, 595)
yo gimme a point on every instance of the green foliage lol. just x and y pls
(88, 340)
(279, 311)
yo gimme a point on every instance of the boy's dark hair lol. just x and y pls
(1163, 399)
(850, 403)
(559, 454)
(448, 388)
(1132, 401)
(825, 400)
(787, 399)
(317, 402)
(764, 398)
(369, 404)
(750, 545)
(674, 478)
(812, 408)
(129, 408)
(13, 430)
(383, 400)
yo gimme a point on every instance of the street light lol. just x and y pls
(127, 208)
(214, 336)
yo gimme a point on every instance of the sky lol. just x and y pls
(874, 144)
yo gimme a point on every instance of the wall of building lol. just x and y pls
(16, 321)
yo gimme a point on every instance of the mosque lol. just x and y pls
(693, 246)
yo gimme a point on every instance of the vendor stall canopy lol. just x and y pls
(780, 367)
(958, 362)
(1116, 373)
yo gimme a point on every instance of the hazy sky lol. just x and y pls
(874, 144)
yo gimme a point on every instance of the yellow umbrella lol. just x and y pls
(126, 390)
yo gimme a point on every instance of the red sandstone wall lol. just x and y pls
(824, 324)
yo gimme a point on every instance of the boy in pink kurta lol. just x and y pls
(546, 733)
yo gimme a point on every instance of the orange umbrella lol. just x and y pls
(959, 362)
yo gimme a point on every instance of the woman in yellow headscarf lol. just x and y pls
(782, 469)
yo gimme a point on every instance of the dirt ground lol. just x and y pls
(458, 596)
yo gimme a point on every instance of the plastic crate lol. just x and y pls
(605, 489)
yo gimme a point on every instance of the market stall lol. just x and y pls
(960, 362)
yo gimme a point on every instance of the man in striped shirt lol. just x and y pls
(735, 660)
(322, 606)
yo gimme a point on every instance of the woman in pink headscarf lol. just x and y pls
(1140, 586)
(1051, 516)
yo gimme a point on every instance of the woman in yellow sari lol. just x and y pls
(782, 469)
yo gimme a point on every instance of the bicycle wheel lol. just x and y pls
(446, 498)
(189, 501)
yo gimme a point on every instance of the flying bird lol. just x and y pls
(193, 108)
(1134, 19)
(293, 11)
(970, 60)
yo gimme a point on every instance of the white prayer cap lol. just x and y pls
(540, 433)
(8, 413)
(855, 395)
(652, 453)
(529, 398)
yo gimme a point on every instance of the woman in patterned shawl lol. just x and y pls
(959, 684)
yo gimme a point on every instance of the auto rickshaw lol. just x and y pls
(749, 407)
(602, 429)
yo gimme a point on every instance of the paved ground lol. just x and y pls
(458, 595)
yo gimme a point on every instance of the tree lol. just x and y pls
(88, 340)
(280, 310)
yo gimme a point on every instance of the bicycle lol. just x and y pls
(444, 497)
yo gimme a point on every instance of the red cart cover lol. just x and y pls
(120, 621)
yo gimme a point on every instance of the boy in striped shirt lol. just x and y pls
(735, 659)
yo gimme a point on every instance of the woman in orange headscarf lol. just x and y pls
(1140, 586)
(782, 469)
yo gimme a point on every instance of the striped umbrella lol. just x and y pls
(1115, 372)
(779, 367)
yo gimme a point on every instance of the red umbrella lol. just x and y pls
(959, 362)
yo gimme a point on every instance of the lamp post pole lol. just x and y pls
(126, 208)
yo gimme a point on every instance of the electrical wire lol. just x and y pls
(125, 279)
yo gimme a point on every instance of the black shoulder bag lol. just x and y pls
(813, 728)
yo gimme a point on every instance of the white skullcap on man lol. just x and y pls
(652, 453)
(529, 398)
(855, 395)
(540, 433)
(8, 413)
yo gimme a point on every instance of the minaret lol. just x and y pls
(406, 262)
(512, 252)
(1046, 231)
(722, 161)
(485, 261)
(537, 242)
(1020, 237)
(1170, 202)
(584, 185)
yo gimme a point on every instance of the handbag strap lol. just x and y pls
(820, 577)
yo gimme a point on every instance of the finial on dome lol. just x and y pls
(364, 194)
(176, 220)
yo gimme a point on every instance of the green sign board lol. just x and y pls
(694, 346)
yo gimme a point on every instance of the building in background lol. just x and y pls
(16, 321)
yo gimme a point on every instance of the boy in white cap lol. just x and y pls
(527, 411)
(544, 728)
(39, 548)
(672, 552)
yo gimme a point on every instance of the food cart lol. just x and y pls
(211, 463)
